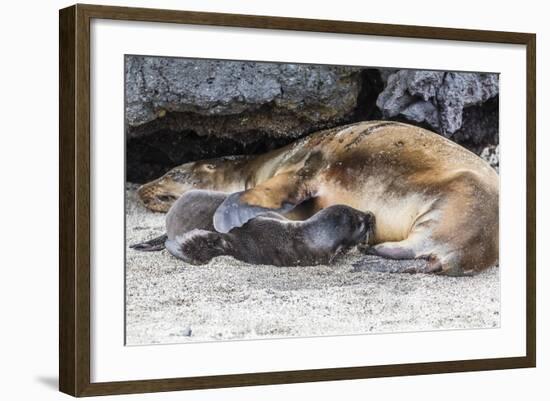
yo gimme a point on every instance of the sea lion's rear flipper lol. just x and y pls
(198, 247)
(279, 194)
(155, 244)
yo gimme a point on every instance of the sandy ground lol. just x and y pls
(169, 301)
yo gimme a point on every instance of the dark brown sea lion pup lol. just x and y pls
(432, 198)
(267, 239)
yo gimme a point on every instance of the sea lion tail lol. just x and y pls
(155, 244)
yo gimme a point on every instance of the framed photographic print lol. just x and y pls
(250, 200)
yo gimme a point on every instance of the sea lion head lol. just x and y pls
(361, 225)
(348, 226)
(223, 174)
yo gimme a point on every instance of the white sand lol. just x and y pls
(169, 301)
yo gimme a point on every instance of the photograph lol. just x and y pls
(270, 200)
(259, 199)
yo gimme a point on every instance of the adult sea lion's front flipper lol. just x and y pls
(280, 194)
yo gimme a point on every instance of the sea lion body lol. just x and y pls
(432, 198)
(267, 239)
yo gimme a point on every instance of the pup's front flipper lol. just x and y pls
(280, 194)
(155, 244)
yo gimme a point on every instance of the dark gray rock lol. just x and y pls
(234, 99)
(408, 92)
(461, 90)
(480, 126)
(435, 98)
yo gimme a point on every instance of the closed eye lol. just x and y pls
(166, 198)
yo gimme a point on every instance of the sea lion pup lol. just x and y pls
(432, 198)
(267, 239)
(193, 210)
(271, 239)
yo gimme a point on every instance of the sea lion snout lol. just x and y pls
(159, 195)
(350, 225)
(369, 218)
(370, 222)
(361, 226)
(364, 232)
(364, 236)
(156, 198)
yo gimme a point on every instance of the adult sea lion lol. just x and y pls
(266, 239)
(432, 198)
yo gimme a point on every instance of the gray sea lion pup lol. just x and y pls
(193, 210)
(267, 239)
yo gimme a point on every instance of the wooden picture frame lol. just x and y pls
(74, 203)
